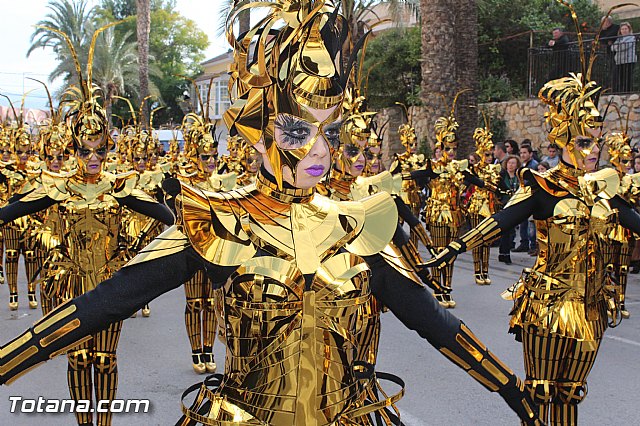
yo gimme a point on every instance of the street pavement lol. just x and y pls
(154, 361)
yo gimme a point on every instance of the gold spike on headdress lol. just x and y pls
(446, 127)
(483, 137)
(54, 134)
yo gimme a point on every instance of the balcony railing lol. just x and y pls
(614, 68)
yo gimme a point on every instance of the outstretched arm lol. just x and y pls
(19, 208)
(418, 310)
(629, 217)
(113, 300)
(520, 207)
(153, 209)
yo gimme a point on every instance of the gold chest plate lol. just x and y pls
(291, 344)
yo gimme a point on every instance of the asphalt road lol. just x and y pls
(154, 361)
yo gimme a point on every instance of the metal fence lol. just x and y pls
(614, 68)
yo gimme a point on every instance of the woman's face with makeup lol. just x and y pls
(294, 133)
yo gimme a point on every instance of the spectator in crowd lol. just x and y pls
(526, 156)
(473, 159)
(553, 156)
(608, 37)
(499, 152)
(512, 147)
(508, 184)
(437, 154)
(543, 166)
(527, 235)
(559, 45)
(624, 49)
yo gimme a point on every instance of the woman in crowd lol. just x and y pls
(508, 185)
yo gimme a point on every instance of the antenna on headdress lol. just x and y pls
(455, 100)
(53, 115)
(406, 111)
(132, 111)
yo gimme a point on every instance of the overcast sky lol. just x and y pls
(16, 27)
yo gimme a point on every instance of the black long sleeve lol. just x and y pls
(155, 210)
(17, 209)
(113, 300)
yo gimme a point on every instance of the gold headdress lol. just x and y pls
(407, 132)
(483, 138)
(573, 114)
(88, 119)
(18, 130)
(54, 134)
(286, 71)
(446, 127)
(199, 132)
(355, 132)
(619, 146)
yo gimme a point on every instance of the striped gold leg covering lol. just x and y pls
(209, 326)
(441, 237)
(46, 299)
(2, 255)
(193, 311)
(79, 377)
(474, 220)
(12, 242)
(31, 268)
(623, 274)
(105, 368)
(557, 368)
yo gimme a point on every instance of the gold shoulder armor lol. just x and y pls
(382, 182)
(53, 185)
(378, 219)
(460, 165)
(169, 242)
(544, 180)
(123, 183)
(604, 183)
(211, 222)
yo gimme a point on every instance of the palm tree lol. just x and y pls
(466, 59)
(438, 58)
(73, 19)
(143, 26)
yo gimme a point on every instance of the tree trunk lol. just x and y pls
(143, 26)
(438, 61)
(466, 59)
(244, 21)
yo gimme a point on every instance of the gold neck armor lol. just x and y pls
(284, 74)
(285, 195)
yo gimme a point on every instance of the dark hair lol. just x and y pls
(509, 157)
(544, 164)
(501, 145)
(511, 142)
(554, 146)
(527, 147)
(558, 29)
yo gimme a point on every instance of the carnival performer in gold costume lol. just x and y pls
(18, 234)
(443, 212)
(90, 203)
(232, 163)
(483, 202)
(619, 257)
(201, 152)
(407, 162)
(250, 159)
(561, 304)
(294, 267)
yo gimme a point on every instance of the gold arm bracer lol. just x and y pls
(486, 231)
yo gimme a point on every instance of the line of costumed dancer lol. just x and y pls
(292, 246)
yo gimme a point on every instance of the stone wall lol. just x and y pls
(524, 120)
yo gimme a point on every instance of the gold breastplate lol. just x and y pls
(90, 229)
(290, 350)
(443, 207)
